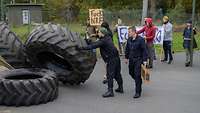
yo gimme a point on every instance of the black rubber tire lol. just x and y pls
(25, 87)
(54, 47)
(11, 48)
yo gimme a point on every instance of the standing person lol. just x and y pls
(135, 54)
(110, 55)
(106, 25)
(187, 34)
(150, 32)
(167, 43)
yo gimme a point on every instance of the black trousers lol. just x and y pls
(113, 68)
(135, 72)
(167, 45)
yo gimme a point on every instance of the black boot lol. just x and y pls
(164, 60)
(105, 81)
(137, 95)
(119, 89)
(109, 93)
(187, 64)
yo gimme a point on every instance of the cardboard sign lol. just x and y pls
(123, 34)
(96, 17)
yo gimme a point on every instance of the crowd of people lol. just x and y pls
(139, 50)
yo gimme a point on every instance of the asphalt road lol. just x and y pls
(173, 89)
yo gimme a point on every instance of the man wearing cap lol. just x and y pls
(136, 55)
(167, 42)
(110, 55)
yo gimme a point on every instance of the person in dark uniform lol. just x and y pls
(136, 55)
(106, 25)
(110, 56)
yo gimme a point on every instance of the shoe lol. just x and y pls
(170, 62)
(163, 60)
(109, 93)
(119, 90)
(187, 64)
(105, 81)
(137, 95)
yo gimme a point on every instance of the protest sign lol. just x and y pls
(96, 17)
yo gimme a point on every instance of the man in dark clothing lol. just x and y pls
(136, 54)
(110, 55)
(106, 25)
(187, 37)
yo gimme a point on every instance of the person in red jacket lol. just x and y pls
(150, 31)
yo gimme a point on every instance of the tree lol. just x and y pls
(152, 8)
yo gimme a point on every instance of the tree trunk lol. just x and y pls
(173, 4)
(152, 12)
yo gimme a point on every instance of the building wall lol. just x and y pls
(15, 14)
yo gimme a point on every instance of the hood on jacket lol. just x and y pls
(149, 21)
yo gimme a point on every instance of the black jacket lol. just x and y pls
(136, 49)
(107, 49)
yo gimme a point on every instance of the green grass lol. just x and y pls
(23, 32)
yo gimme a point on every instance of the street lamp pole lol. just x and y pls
(192, 37)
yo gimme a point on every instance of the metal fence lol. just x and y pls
(128, 17)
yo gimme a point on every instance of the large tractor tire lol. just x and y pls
(55, 48)
(25, 87)
(11, 48)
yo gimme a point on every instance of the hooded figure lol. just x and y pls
(150, 31)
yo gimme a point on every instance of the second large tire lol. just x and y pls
(11, 47)
(25, 87)
(54, 47)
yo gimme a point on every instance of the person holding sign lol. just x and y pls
(136, 55)
(150, 31)
(167, 43)
(110, 56)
